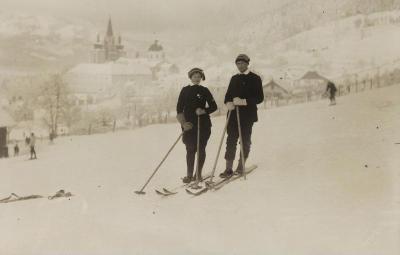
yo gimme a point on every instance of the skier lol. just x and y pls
(331, 88)
(32, 144)
(245, 92)
(51, 137)
(16, 149)
(191, 104)
(27, 141)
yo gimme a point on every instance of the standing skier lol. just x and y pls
(191, 105)
(245, 92)
(331, 88)
(27, 140)
(16, 149)
(32, 143)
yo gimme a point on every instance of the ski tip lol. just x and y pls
(140, 192)
(196, 193)
(159, 192)
(189, 192)
(169, 192)
(196, 187)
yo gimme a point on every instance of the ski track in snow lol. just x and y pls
(327, 183)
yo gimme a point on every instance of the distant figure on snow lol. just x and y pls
(51, 137)
(331, 89)
(32, 143)
(27, 141)
(16, 149)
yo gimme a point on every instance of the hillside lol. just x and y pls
(328, 184)
(345, 46)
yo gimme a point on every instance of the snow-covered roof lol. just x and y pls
(312, 75)
(273, 85)
(120, 67)
(5, 119)
(164, 64)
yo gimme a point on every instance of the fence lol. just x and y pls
(348, 84)
(359, 83)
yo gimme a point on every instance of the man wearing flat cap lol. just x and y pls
(244, 93)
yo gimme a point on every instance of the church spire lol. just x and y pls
(109, 28)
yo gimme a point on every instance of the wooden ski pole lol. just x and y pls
(241, 142)
(196, 184)
(141, 191)
(219, 147)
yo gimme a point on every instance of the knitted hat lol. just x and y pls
(196, 70)
(243, 57)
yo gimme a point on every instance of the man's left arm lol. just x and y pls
(257, 96)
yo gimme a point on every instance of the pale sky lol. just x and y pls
(154, 15)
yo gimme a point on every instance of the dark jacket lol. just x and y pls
(249, 87)
(331, 88)
(193, 97)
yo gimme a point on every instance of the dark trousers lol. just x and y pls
(190, 140)
(233, 137)
(332, 96)
(33, 152)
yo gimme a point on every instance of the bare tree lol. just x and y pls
(54, 101)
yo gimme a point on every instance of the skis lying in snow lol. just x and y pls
(14, 197)
(167, 192)
(219, 184)
(59, 194)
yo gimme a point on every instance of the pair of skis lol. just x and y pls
(208, 185)
(219, 184)
(168, 192)
(14, 197)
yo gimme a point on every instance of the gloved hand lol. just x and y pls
(200, 111)
(230, 106)
(181, 118)
(239, 102)
(187, 126)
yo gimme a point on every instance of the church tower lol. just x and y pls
(110, 49)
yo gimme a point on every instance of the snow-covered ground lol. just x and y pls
(327, 183)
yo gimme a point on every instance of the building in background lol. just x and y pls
(273, 92)
(156, 52)
(312, 81)
(93, 83)
(6, 122)
(109, 49)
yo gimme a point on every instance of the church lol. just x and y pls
(110, 72)
(110, 49)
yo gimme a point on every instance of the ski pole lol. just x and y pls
(241, 142)
(196, 184)
(219, 147)
(141, 192)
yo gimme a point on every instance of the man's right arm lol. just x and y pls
(228, 95)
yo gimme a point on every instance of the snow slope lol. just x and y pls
(327, 183)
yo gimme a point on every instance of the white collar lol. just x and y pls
(245, 72)
(191, 84)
